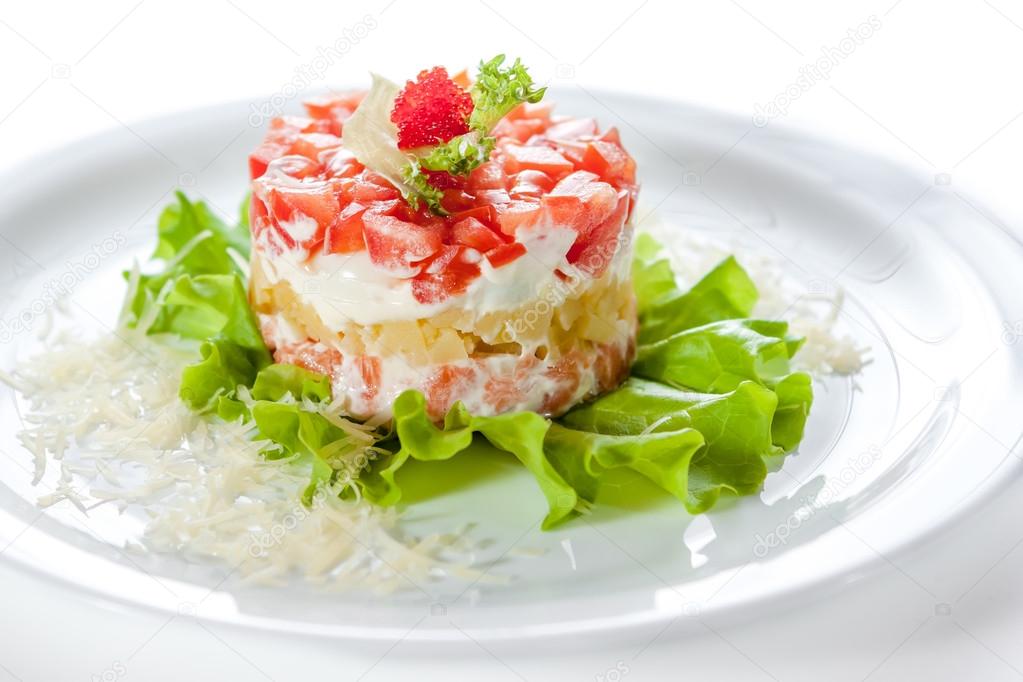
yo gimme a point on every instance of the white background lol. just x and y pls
(936, 86)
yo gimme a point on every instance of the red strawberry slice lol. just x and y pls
(399, 246)
(431, 110)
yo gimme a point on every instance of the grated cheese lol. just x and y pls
(106, 414)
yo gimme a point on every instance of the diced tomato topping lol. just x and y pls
(505, 253)
(599, 200)
(518, 213)
(430, 110)
(564, 209)
(397, 245)
(290, 126)
(443, 387)
(544, 170)
(292, 166)
(341, 163)
(345, 234)
(310, 145)
(471, 232)
(492, 197)
(263, 155)
(293, 210)
(540, 110)
(574, 183)
(592, 253)
(357, 189)
(536, 158)
(489, 175)
(610, 161)
(531, 183)
(572, 129)
(486, 214)
(448, 274)
(456, 200)
(521, 130)
(333, 106)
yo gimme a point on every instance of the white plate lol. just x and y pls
(916, 441)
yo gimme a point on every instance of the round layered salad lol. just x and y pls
(451, 235)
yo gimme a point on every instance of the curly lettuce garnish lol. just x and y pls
(372, 136)
(495, 93)
(460, 155)
(417, 188)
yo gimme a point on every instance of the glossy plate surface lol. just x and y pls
(927, 431)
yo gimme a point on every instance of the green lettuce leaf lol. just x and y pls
(179, 224)
(280, 394)
(210, 383)
(717, 356)
(711, 399)
(666, 458)
(736, 427)
(725, 293)
(521, 433)
(277, 381)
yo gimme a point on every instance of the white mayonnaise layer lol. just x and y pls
(348, 288)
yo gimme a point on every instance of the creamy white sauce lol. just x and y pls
(348, 288)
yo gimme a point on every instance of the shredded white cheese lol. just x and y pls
(106, 414)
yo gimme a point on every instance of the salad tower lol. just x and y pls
(450, 237)
(429, 267)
